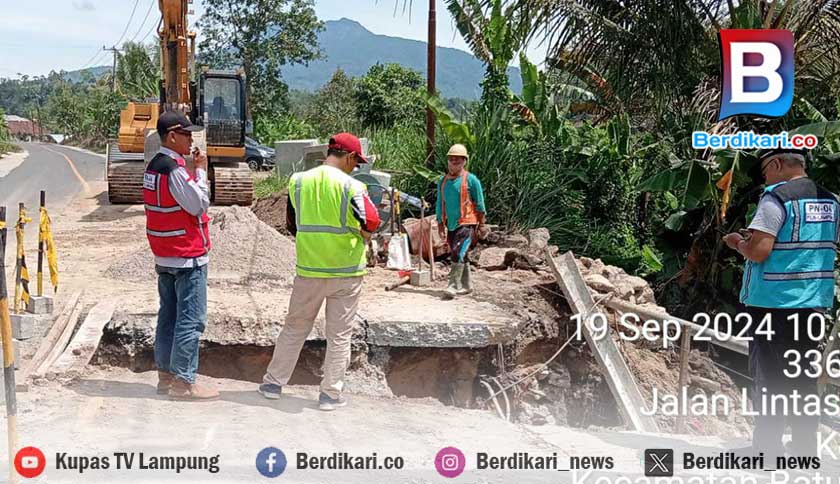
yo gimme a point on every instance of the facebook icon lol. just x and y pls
(271, 462)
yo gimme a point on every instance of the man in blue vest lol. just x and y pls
(790, 250)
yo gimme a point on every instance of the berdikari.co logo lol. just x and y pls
(757, 72)
(756, 80)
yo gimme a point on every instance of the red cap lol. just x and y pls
(348, 142)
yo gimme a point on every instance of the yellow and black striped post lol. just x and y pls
(8, 353)
(41, 248)
(21, 271)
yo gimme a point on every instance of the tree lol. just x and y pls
(651, 56)
(389, 94)
(495, 36)
(334, 108)
(261, 36)
(137, 74)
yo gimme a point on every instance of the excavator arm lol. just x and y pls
(177, 46)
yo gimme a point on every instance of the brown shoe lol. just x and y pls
(182, 390)
(164, 382)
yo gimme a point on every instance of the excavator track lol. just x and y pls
(230, 183)
(125, 176)
(233, 184)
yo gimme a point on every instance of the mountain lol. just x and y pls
(96, 72)
(350, 46)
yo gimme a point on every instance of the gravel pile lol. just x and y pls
(245, 251)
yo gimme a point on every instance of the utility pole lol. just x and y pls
(114, 51)
(431, 73)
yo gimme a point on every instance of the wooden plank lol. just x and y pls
(55, 332)
(606, 351)
(81, 349)
(719, 339)
(61, 341)
(685, 350)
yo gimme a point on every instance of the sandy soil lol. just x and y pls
(113, 410)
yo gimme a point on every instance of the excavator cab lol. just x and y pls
(222, 110)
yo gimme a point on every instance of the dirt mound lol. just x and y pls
(245, 251)
(272, 211)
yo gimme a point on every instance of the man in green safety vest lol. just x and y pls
(332, 217)
(790, 250)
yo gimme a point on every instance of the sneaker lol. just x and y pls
(270, 391)
(449, 294)
(165, 380)
(328, 404)
(182, 390)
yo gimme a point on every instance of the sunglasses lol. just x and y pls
(182, 132)
(767, 165)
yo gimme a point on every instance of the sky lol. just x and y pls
(46, 35)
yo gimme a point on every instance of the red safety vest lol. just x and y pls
(468, 214)
(172, 231)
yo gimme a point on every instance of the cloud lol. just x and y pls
(84, 5)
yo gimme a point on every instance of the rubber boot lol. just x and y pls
(466, 284)
(454, 281)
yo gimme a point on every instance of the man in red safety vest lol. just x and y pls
(176, 203)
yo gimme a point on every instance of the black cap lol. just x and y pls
(755, 172)
(173, 121)
(763, 155)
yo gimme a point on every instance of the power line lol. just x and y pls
(128, 24)
(145, 19)
(154, 27)
(98, 54)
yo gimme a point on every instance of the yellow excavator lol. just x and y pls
(213, 99)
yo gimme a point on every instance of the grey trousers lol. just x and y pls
(308, 295)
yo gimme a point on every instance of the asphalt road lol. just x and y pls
(61, 171)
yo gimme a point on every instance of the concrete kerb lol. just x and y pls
(40, 305)
(23, 325)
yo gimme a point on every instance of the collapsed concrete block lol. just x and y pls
(40, 305)
(23, 326)
(288, 154)
(539, 239)
(599, 283)
(517, 241)
(493, 258)
(420, 278)
(314, 156)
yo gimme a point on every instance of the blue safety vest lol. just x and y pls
(799, 273)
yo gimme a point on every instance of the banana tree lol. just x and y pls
(495, 35)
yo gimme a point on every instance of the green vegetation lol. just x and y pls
(596, 147)
(6, 144)
(261, 36)
(269, 185)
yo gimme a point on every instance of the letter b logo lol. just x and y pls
(757, 72)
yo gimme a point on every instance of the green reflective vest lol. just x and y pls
(328, 241)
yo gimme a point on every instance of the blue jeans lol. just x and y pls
(181, 320)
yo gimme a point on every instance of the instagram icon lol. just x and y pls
(450, 462)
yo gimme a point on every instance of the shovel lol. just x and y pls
(399, 255)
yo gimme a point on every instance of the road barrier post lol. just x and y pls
(41, 248)
(18, 259)
(8, 354)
